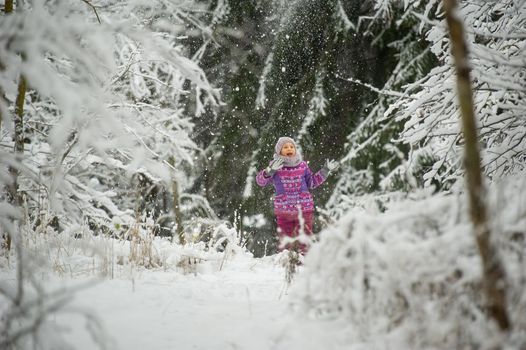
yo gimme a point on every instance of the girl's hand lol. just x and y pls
(331, 165)
(274, 166)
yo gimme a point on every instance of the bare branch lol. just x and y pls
(93, 8)
(381, 92)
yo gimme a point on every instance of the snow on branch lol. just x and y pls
(317, 105)
(428, 107)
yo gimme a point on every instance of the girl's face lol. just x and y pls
(288, 150)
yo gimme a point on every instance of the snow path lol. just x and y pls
(243, 306)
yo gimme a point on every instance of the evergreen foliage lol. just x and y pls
(285, 63)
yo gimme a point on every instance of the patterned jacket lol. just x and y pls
(292, 185)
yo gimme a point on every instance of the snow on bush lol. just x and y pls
(77, 252)
(411, 277)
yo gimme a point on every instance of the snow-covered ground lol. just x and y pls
(407, 278)
(245, 305)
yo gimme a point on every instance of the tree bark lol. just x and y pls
(493, 270)
(2, 97)
(177, 206)
(18, 138)
(8, 8)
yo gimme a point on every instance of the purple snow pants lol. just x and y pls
(289, 226)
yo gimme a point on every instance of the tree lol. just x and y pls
(374, 159)
(494, 274)
(87, 132)
(282, 64)
(415, 113)
(427, 109)
(18, 136)
(113, 127)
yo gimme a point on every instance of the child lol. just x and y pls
(292, 180)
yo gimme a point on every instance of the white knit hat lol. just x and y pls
(281, 142)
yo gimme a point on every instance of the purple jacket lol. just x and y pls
(292, 186)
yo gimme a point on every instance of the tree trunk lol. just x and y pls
(494, 273)
(18, 138)
(177, 205)
(8, 8)
(2, 97)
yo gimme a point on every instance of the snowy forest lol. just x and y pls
(134, 135)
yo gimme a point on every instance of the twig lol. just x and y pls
(381, 92)
(94, 9)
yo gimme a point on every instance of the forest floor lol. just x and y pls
(244, 305)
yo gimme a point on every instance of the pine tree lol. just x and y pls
(285, 64)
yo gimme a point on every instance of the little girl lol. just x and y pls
(292, 180)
